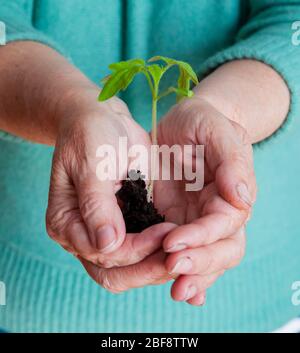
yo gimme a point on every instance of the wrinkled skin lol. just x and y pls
(211, 236)
(83, 213)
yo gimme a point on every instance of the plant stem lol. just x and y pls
(154, 122)
(154, 143)
(151, 85)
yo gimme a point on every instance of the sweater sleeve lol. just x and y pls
(270, 36)
(17, 17)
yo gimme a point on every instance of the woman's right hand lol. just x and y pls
(83, 214)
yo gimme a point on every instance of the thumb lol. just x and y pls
(101, 213)
(230, 158)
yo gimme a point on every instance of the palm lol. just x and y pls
(171, 198)
(184, 125)
(180, 206)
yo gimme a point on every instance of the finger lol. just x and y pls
(66, 226)
(220, 221)
(198, 299)
(101, 213)
(208, 259)
(116, 280)
(63, 220)
(236, 184)
(74, 217)
(77, 239)
(185, 288)
(229, 156)
(136, 246)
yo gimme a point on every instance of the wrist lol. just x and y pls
(245, 91)
(80, 105)
(228, 107)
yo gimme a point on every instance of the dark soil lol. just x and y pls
(138, 213)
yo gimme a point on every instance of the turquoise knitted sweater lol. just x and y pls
(47, 289)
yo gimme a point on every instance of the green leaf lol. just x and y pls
(122, 75)
(183, 66)
(156, 72)
(117, 82)
(125, 65)
(187, 69)
(129, 76)
(112, 86)
(183, 80)
(106, 78)
(181, 92)
(169, 61)
(123, 72)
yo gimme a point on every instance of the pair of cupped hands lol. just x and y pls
(204, 232)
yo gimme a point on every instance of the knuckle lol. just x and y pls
(72, 151)
(242, 132)
(240, 160)
(210, 204)
(254, 186)
(234, 262)
(214, 277)
(57, 221)
(208, 282)
(221, 273)
(50, 230)
(89, 205)
(241, 252)
(106, 280)
(70, 250)
(152, 275)
(52, 225)
(207, 127)
(245, 137)
(237, 257)
(120, 106)
(105, 263)
(207, 260)
(139, 254)
(202, 229)
(203, 283)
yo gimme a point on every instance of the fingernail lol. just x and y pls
(190, 293)
(243, 193)
(176, 247)
(184, 265)
(106, 238)
(202, 299)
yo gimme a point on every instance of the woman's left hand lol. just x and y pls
(211, 236)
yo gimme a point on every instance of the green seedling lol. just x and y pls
(123, 73)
